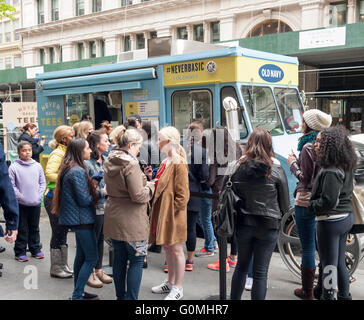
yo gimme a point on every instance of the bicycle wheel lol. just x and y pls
(290, 249)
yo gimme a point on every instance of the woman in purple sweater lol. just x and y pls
(29, 184)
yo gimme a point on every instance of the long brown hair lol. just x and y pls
(72, 158)
(259, 148)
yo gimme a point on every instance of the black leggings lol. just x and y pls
(59, 232)
(191, 230)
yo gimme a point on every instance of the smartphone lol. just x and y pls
(293, 153)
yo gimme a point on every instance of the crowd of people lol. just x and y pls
(133, 184)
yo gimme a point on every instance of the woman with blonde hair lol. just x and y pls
(126, 220)
(62, 137)
(84, 129)
(169, 211)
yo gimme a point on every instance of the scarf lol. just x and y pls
(307, 138)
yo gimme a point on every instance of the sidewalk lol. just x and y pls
(198, 284)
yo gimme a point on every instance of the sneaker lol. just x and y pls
(231, 261)
(164, 287)
(216, 266)
(189, 265)
(175, 294)
(204, 253)
(248, 283)
(22, 258)
(39, 255)
(165, 267)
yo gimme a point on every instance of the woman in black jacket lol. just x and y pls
(261, 184)
(331, 203)
(29, 132)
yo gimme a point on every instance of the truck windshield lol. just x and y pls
(291, 108)
(262, 109)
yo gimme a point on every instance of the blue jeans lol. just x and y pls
(259, 243)
(130, 278)
(331, 241)
(250, 271)
(306, 226)
(85, 259)
(204, 220)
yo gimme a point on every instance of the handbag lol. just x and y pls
(357, 202)
(224, 217)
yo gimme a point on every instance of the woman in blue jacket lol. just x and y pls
(74, 200)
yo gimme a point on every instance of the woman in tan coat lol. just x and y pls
(169, 211)
(126, 221)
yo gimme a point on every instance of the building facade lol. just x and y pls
(324, 34)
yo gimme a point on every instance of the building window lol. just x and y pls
(51, 55)
(8, 63)
(182, 33)
(127, 43)
(126, 2)
(40, 11)
(140, 41)
(7, 30)
(198, 32)
(337, 13)
(269, 27)
(153, 34)
(16, 26)
(60, 54)
(80, 7)
(81, 51)
(55, 10)
(361, 10)
(96, 5)
(215, 31)
(102, 44)
(1, 64)
(92, 48)
(17, 62)
(41, 56)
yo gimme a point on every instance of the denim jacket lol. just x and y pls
(93, 167)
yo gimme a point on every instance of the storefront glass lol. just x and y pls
(77, 106)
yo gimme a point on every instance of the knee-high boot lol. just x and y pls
(308, 277)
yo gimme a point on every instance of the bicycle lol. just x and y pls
(290, 250)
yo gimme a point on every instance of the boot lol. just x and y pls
(66, 268)
(94, 281)
(317, 290)
(57, 269)
(306, 292)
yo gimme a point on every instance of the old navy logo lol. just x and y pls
(271, 73)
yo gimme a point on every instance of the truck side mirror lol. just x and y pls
(232, 119)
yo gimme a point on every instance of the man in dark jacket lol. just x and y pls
(8, 202)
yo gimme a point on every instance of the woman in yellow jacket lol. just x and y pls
(62, 136)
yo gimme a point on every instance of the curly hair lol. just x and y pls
(336, 149)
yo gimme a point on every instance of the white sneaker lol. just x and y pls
(248, 283)
(175, 294)
(164, 287)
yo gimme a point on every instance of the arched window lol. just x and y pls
(269, 27)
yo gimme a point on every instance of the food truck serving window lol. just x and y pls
(189, 105)
(290, 107)
(262, 109)
(230, 92)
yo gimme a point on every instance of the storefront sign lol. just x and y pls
(18, 114)
(329, 37)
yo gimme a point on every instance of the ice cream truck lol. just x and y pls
(174, 89)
